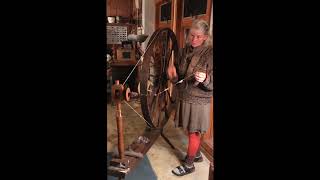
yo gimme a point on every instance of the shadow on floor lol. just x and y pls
(143, 171)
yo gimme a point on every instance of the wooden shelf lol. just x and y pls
(120, 24)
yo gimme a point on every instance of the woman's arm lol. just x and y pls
(207, 84)
(175, 68)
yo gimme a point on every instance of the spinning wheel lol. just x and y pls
(154, 91)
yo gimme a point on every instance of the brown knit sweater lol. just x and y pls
(189, 61)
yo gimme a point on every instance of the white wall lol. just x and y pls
(148, 19)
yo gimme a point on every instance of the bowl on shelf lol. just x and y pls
(111, 19)
(108, 57)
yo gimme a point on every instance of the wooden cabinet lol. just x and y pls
(125, 9)
(122, 8)
(181, 23)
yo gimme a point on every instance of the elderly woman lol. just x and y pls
(195, 67)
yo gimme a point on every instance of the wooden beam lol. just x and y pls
(174, 7)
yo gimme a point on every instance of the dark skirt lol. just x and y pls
(192, 117)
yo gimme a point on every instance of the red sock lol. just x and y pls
(194, 143)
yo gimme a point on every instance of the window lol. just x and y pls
(165, 12)
(194, 7)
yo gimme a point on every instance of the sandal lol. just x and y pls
(196, 159)
(183, 170)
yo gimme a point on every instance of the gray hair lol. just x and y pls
(204, 27)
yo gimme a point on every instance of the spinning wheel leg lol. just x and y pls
(167, 140)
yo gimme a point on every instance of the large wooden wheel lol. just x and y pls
(155, 100)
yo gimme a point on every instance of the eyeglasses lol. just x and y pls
(196, 36)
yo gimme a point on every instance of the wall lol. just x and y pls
(148, 19)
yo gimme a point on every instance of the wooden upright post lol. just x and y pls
(118, 91)
(174, 29)
(120, 131)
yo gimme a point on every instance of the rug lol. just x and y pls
(143, 171)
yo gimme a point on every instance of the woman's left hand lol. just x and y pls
(200, 76)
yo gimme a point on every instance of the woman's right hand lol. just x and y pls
(172, 72)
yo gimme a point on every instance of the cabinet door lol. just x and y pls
(164, 9)
(119, 8)
(207, 139)
(111, 11)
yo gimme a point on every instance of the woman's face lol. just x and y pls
(196, 37)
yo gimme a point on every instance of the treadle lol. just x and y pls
(133, 161)
(167, 140)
